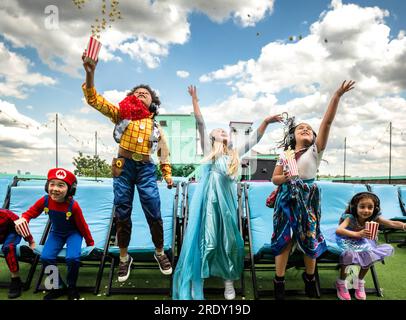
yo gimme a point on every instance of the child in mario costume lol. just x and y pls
(139, 136)
(68, 226)
(10, 237)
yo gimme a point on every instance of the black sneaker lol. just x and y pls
(310, 286)
(73, 294)
(124, 269)
(15, 288)
(279, 289)
(55, 294)
(163, 263)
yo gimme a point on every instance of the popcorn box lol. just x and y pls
(92, 51)
(22, 227)
(372, 227)
(290, 163)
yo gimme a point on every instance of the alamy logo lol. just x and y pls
(52, 20)
(52, 280)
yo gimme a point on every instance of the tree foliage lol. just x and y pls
(179, 170)
(87, 166)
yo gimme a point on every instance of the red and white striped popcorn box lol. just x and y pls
(22, 227)
(372, 227)
(289, 161)
(293, 167)
(92, 51)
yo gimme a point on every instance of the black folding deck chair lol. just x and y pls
(141, 247)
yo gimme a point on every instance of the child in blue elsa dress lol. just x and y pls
(213, 245)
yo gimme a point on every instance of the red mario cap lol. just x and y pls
(62, 174)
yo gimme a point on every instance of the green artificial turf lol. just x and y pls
(391, 275)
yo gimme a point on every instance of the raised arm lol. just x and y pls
(90, 69)
(391, 224)
(324, 130)
(163, 156)
(204, 138)
(257, 135)
(93, 98)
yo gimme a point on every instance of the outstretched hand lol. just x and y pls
(169, 183)
(193, 92)
(274, 118)
(89, 64)
(345, 87)
(21, 227)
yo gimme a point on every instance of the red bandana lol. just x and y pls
(132, 108)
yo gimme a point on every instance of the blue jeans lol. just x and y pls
(143, 175)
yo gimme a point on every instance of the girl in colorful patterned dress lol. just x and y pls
(297, 206)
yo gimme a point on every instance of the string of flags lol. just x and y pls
(68, 133)
(395, 132)
(89, 143)
(23, 124)
(109, 149)
(112, 149)
(379, 141)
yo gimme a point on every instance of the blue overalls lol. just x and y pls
(63, 230)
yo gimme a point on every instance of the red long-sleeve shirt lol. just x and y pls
(77, 215)
(7, 225)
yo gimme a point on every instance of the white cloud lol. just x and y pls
(182, 74)
(32, 148)
(145, 33)
(145, 50)
(184, 109)
(311, 69)
(15, 77)
(243, 12)
(225, 73)
(85, 110)
(9, 116)
(162, 110)
(114, 96)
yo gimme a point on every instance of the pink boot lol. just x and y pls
(342, 290)
(360, 290)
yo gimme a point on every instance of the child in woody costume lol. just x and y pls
(68, 226)
(10, 237)
(138, 135)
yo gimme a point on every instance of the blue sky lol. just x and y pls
(237, 62)
(210, 46)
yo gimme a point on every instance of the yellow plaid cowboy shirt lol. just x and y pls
(137, 134)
